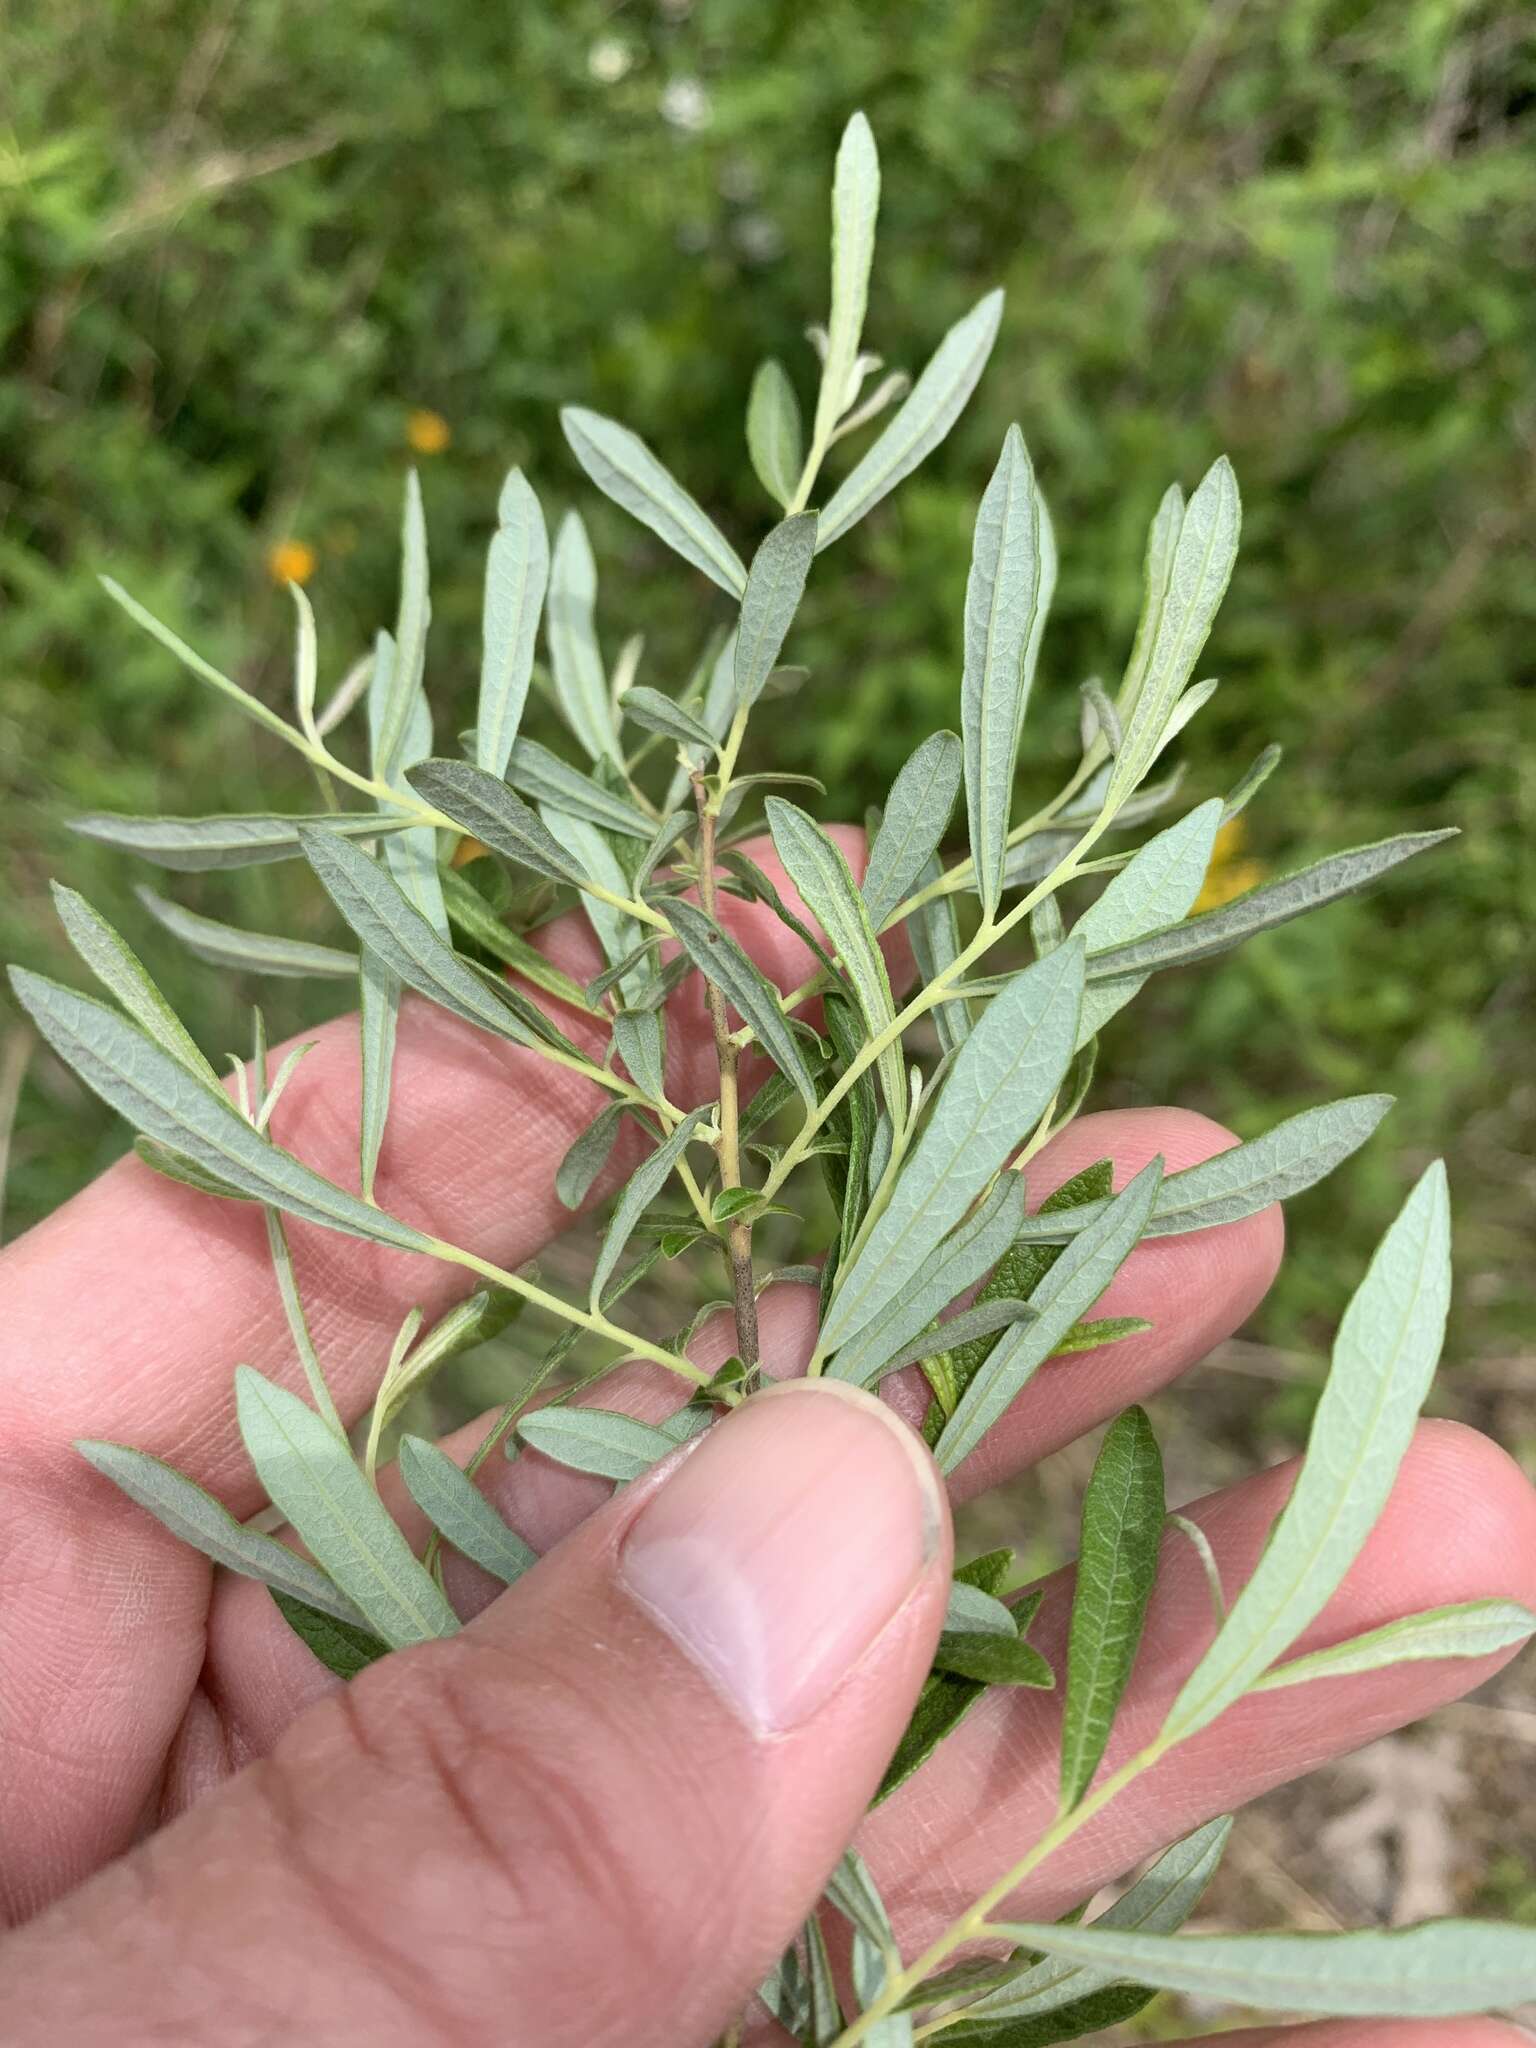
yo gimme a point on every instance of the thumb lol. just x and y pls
(595, 1816)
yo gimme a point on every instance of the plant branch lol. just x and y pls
(738, 1233)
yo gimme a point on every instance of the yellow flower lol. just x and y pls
(428, 432)
(1229, 874)
(291, 561)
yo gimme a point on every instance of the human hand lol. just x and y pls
(597, 1814)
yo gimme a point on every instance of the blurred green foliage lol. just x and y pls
(241, 242)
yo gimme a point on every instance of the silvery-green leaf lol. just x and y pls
(981, 1319)
(1000, 600)
(596, 1440)
(772, 596)
(961, 1259)
(1123, 1512)
(786, 1992)
(1435, 1971)
(826, 2021)
(855, 204)
(411, 857)
(587, 1156)
(1284, 1162)
(934, 932)
(516, 574)
(624, 469)
(653, 712)
(1067, 1292)
(1475, 1628)
(853, 1891)
(392, 700)
(1251, 781)
(640, 1038)
(311, 1476)
(1384, 1358)
(1158, 1903)
(484, 807)
(545, 779)
(575, 659)
(973, 1611)
(774, 438)
(815, 864)
(194, 845)
(1194, 699)
(192, 1513)
(1162, 539)
(1198, 574)
(931, 409)
(916, 818)
(160, 1098)
(1273, 903)
(306, 660)
(397, 935)
(469, 912)
(610, 977)
(1157, 887)
(617, 932)
(662, 840)
(483, 1314)
(455, 1506)
(744, 985)
(189, 658)
(223, 945)
(177, 1167)
(1099, 718)
(121, 972)
(946, 1699)
(344, 698)
(1001, 1083)
(378, 1015)
(640, 1190)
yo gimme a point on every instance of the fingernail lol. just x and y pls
(785, 1544)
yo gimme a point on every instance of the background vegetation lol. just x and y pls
(257, 255)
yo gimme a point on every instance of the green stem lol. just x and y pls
(591, 1320)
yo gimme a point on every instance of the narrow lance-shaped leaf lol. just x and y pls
(970, 1251)
(1000, 600)
(912, 829)
(196, 845)
(815, 864)
(1157, 886)
(587, 1156)
(716, 708)
(1162, 539)
(121, 972)
(310, 1475)
(774, 588)
(471, 915)
(1123, 1513)
(744, 985)
(378, 1013)
(516, 575)
(653, 712)
(395, 933)
(640, 1037)
(306, 660)
(544, 778)
(225, 945)
(460, 1511)
(932, 406)
(1436, 1971)
(1474, 1628)
(192, 1513)
(774, 438)
(624, 469)
(486, 808)
(855, 205)
(160, 1098)
(1273, 903)
(1198, 574)
(597, 1440)
(934, 932)
(342, 1647)
(618, 933)
(392, 698)
(575, 659)
(1384, 1358)
(1071, 1287)
(1292, 1157)
(191, 659)
(945, 1698)
(642, 1188)
(1001, 1082)
(1157, 1903)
